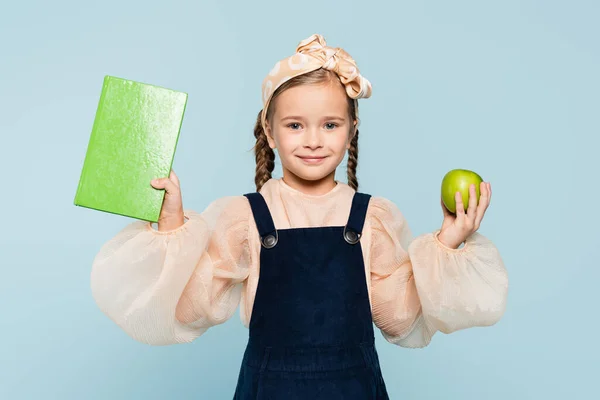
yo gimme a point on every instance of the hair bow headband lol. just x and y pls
(311, 54)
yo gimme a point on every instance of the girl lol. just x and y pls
(313, 262)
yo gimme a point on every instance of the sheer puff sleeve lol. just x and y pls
(169, 287)
(420, 286)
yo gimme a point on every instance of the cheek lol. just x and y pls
(287, 142)
(339, 142)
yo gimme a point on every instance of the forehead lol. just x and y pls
(312, 100)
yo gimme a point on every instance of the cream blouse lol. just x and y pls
(170, 287)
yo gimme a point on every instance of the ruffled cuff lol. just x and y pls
(459, 288)
(139, 276)
(188, 214)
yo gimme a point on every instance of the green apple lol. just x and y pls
(459, 180)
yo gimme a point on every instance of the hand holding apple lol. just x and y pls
(464, 200)
(459, 180)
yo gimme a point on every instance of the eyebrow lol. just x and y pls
(329, 117)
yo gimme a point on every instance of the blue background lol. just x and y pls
(510, 89)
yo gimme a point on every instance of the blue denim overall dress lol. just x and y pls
(311, 333)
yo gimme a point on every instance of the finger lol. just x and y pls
(483, 204)
(489, 185)
(484, 197)
(164, 183)
(472, 205)
(460, 207)
(447, 212)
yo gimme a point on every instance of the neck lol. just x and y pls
(311, 187)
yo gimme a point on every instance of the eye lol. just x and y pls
(294, 126)
(331, 125)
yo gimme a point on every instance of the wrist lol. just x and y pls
(451, 244)
(170, 224)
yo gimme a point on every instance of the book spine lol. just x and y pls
(99, 109)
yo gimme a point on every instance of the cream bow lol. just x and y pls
(313, 53)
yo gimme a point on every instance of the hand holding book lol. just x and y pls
(171, 213)
(133, 140)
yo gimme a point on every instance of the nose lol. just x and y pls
(313, 138)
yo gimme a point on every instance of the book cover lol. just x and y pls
(133, 140)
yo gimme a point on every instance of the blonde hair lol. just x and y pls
(265, 156)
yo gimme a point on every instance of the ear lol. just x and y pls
(268, 134)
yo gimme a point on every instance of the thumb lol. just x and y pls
(163, 183)
(445, 210)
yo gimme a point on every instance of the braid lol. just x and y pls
(353, 162)
(264, 155)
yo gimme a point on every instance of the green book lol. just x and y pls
(133, 140)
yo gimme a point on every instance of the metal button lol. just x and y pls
(269, 241)
(350, 236)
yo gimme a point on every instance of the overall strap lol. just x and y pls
(263, 219)
(356, 220)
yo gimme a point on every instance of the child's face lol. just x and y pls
(311, 130)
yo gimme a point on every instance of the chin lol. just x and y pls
(312, 174)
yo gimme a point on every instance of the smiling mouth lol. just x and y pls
(312, 159)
